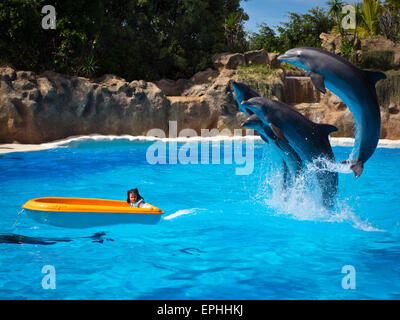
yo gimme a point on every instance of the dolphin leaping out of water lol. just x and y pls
(291, 160)
(308, 139)
(354, 86)
(242, 93)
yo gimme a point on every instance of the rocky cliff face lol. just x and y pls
(300, 90)
(41, 108)
(367, 49)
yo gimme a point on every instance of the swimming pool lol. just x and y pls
(223, 235)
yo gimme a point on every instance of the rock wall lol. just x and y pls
(300, 90)
(369, 50)
(41, 108)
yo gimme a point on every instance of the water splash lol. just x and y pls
(302, 200)
(181, 213)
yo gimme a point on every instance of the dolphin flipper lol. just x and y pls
(318, 81)
(278, 132)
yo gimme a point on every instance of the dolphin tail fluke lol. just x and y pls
(374, 76)
(356, 166)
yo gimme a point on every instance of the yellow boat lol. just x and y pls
(86, 213)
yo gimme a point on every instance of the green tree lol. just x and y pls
(265, 39)
(335, 11)
(300, 30)
(304, 29)
(371, 11)
(134, 39)
(234, 32)
(393, 4)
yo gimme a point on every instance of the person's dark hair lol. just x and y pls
(136, 192)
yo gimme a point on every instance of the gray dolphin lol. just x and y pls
(242, 93)
(253, 122)
(308, 139)
(354, 86)
(291, 160)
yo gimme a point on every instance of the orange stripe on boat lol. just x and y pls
(56, 204)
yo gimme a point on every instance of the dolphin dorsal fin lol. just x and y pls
(327, 128)
(374, 76)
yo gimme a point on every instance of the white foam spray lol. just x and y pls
(180, 213)
(302, 200)
(76, 140)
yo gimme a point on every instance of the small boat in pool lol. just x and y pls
(87, 213)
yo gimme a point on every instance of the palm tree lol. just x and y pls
(233, 29)
(359, 19)
(371, 11)
(335, 11)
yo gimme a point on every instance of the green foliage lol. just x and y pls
(347, 49)
(265, 80)
(379, 60)
(265, 39)
(388, 90)
(257, 71)
(335, 11)
(134, 39)
(371, 11)
(300, 30)
(234, 32)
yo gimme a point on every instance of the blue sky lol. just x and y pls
(275, 11)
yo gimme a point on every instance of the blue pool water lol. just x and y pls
(223, 236)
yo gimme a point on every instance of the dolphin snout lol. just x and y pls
(284, 57)
(281, 57)
(244, 124)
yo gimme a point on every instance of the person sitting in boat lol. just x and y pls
(136, 200)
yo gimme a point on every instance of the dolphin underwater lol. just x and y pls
(308, 139)
(354, 86)
(20, 239)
